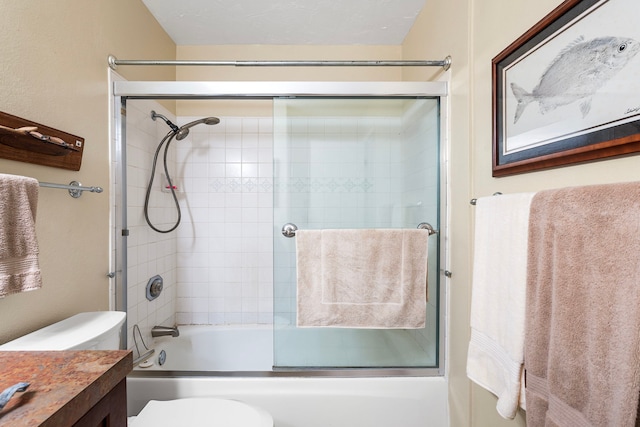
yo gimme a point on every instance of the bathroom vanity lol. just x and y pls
(67, 388)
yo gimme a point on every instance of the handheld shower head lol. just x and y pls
(178, 133)
(183, 131)
(155, 115)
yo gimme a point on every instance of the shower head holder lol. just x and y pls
(155, 115)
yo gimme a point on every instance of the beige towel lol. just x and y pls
(496, 349)
(362, 278)
(582, 343)
(19, 267)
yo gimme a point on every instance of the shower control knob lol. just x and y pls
(154, 287)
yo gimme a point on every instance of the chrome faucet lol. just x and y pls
(161, 331)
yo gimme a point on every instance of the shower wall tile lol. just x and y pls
(227, 229)
(149, 253)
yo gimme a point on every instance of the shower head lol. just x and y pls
(183, 131)
(155, 115)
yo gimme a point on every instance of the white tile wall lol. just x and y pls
(149, 253)
(217, 266)
(224, 245)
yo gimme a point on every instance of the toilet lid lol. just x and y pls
(195, 412)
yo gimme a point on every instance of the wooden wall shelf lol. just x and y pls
(27, 141)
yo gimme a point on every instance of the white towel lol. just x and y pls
(496, 349)
(362, 278)
(19, 265)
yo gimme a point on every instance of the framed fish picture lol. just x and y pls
(568, 90)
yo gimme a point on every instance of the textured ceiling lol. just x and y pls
(286, 22)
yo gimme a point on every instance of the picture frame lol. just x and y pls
(568, 90)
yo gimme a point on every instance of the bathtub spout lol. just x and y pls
(161, 331)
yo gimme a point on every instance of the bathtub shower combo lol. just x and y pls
(221, 262)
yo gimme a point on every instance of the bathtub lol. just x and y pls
(215, 348)
(294, 399)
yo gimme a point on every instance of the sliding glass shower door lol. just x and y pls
(354, 163)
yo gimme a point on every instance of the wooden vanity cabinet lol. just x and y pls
(67, 388)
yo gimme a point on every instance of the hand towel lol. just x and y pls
(583, 307)
(496, 349)
(366, 278)
(19, 265)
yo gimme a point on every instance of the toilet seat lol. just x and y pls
(196, 412)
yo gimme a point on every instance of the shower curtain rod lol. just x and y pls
(445, 63)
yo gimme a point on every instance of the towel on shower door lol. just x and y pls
(496, 349)
(19, 266)
(366, 278)
(583, 307)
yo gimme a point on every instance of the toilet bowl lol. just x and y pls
(100, 330)
(201, 412)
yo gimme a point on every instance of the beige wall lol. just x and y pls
(276, 53)
(473, 32)
(54, 71)
(443, 29)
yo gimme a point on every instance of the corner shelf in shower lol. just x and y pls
(27, 141)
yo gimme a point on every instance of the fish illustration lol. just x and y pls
(577, 73)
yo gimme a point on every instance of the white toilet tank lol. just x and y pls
(97, 330)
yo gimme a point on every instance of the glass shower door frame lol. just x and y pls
(352, 163)
(124, 90)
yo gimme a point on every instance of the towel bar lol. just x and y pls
(74, 187)
(289, 229)
(428, 227)
(474, 201)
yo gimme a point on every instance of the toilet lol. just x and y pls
(100, 330)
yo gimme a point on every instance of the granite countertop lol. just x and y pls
(64, 384)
